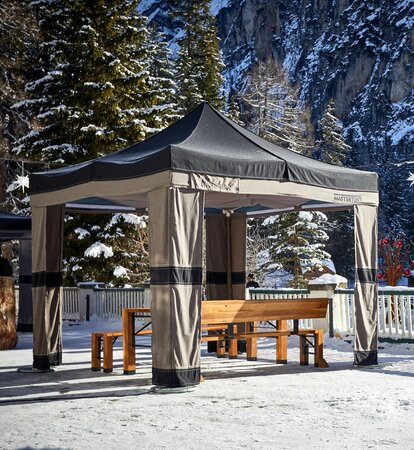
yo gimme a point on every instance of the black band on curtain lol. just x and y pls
(25, 279)
(175, 378)
(221, 277)
(366, 275)
(55, 359)
(176, 275)
(41, 362)
(48, 279)
(366, 358)
(25, 327)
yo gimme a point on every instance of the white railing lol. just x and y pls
(110, 302)
(71, 303)
(269, 294)
(395, 309)
(395, 306)
(396, 313)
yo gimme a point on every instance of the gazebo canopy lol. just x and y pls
(202, 164)
(205, 150)
(13, 227)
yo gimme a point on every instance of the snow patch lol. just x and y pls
(97, 249)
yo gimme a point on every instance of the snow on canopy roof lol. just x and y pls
(207, 142)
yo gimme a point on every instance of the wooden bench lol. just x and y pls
(250, 312)
(221, 317)
(103, 342)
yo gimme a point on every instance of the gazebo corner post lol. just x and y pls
(47, 291)
(366, 287)
(176, 234)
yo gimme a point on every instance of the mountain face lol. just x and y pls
(359, 53)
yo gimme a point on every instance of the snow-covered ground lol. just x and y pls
(257, 405)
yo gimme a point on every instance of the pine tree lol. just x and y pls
(98, 92)
(199, 63)
(162, 82)
(275, 113)
(334, 150)
(332, 146)
(298, 244)
(18, 36)
(273, 108)
(93, 97)
(233, 109)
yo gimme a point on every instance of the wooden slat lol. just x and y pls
(231, 311)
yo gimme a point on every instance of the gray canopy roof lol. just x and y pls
(207, 142)
(13, 226)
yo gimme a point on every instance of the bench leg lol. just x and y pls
(96, 353)
(304, 351)
(251, 344)
(108, 351)
(281, 343)
(221, 349)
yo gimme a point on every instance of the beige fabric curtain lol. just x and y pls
(226, 262)
(25, 322)
(226, 256)
(47, 237)
(176, 233)
(366, 288)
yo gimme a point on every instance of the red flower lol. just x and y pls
(399, 268)
(400, 243)
(385, 241)
(406, 272)
(380, 276)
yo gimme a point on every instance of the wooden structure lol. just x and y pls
(223, 318)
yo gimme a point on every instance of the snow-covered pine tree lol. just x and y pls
(273, 110)
(333, 149)
(199, 59)
(275, 113)
(233, 109)
(298, 244)
(162, 83)
(332, 146)
(18, 35)
(95, 96)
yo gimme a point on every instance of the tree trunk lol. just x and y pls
(8, 336)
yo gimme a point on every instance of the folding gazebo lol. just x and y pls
(14, 227)
(199, 167)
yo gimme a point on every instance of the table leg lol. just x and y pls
(304, 350)
(281, 343)
(128, 342)
(233, 345)
(251, 344)
(319, 348)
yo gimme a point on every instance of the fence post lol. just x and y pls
(325, 290)
(87, 299)
(147, 295)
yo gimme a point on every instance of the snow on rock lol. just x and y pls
(98, 249)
